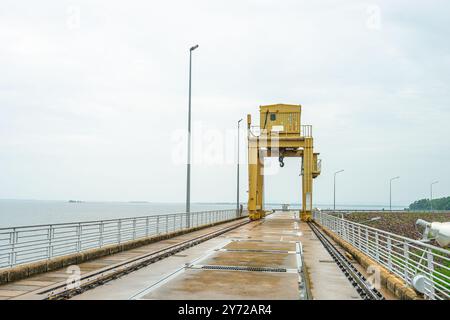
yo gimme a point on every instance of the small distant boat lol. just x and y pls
(75, 201)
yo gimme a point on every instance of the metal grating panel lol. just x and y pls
(238, 268)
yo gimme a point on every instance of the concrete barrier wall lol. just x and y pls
(390, 281)
(30, 269)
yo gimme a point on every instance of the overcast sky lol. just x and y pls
(93, 95)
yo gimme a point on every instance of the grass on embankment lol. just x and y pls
(404, 224)
(401, 223)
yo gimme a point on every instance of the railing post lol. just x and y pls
(347, 231)
(157, 224)
(406, 257)
(146, 226)
(431, 272)
(367, 242)
(119, 231)
(377, 249)
(13, 239)
(188, 219)
(389, 248)
(134, 228)
(181, 220)
(354, 235)
(167, 224)
(100, 240)
(50, 242)
(359, 238)
(79, 230)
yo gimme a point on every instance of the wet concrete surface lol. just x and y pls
(271, 245)
(228, 285)
(326, 280)
(17, 290)
(267, 266)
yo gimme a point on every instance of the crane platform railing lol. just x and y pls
(409, 259)
(305, 131)
(24, 244)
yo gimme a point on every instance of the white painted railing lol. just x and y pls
(407, 258)
(24, 244)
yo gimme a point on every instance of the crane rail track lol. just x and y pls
(96, 278)
(364, 289)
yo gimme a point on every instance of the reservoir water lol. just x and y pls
(31, 212)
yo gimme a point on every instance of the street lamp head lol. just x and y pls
(434, 182)
(395, 178)
(240, 121)
(194, 47)
(339, 171)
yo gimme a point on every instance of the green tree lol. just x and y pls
(424, 204)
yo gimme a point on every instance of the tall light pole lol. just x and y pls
(390, 192)
(334, 189)
(188, 182)
(431, 195)
(237, 174)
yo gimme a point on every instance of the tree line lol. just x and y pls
(424, 204)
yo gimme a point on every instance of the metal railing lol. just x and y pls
(305, 131)
(407, 258)
(25, 244)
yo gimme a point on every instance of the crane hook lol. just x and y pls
(280, 159)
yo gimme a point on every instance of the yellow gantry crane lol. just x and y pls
(280, 135)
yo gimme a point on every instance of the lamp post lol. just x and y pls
(237, 174)
(188, 182)
(390, 191)
(431, 195)
(334, 189)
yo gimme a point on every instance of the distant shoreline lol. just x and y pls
(207, 203)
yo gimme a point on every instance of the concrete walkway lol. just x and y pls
(260, 260)
(29, 288)
(256, 261)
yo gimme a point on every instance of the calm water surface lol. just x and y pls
(31, 212)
